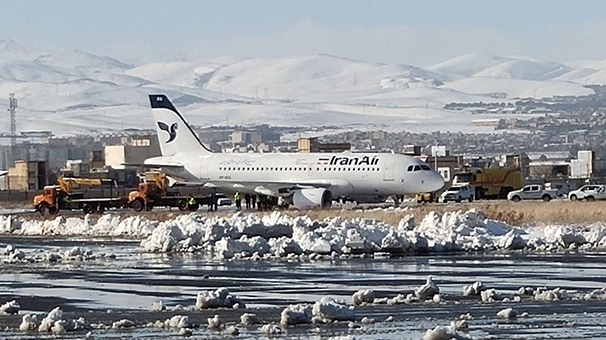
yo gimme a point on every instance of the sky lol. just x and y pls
(419, 32)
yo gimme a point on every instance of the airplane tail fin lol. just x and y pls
(174, 134)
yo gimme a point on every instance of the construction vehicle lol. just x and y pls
(491, 183)
(68, 195)
(153, 191)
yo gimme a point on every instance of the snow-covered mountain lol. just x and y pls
(75, 91)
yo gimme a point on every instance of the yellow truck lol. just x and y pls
(494, 183)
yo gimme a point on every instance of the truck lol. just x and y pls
(68, 195)
(492, 183)
(154, 192)
(589, 193)
(458, 194)
(533, 192)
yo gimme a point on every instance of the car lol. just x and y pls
(223, 201)
(458, 193)
(588, 192)
(532, 192)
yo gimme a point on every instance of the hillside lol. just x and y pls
(75, 91)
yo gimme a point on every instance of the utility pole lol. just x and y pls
(12, 108)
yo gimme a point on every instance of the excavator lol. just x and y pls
(69, 195)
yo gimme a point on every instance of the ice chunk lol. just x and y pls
(474, 289)
(270, 329)
(328, 310)
(296, 315)
(361, 297)
(215, 322)
(507, 313)
(11, 307)
(178, 321)
(249, 319)
(218, 299)
(428, 290)
(232, 330)
(158, 306)
(124, 323)
(29, 322)
(49, 321)
(440, 333)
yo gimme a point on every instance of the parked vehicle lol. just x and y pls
(223, 201)
(154, 193)
(425, 197)
(458, 194)
(71, 194)
(491, 183)
(589, 193)
(533, 192)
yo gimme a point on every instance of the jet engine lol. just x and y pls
(312, 198)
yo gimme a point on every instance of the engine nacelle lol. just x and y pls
(312, 198)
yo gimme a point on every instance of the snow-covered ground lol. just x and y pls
(74, 91)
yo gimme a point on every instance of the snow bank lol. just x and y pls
(278, 235)
(220, 298)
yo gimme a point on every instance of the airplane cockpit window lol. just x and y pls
(410, 167)
(417, 168)
(425, 167)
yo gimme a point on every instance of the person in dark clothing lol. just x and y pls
(260, 202)
(212, 204)
(247, 201)
(238, 200)
(253, 201)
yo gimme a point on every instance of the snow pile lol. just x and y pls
(158, 306)
(296, 315)
(490, 295)
(220, 298)
(329, 310)
(29, 323)
(105, 225)
(362, 297)
(278, 235)
(11, 307)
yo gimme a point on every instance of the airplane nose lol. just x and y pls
(434, 182)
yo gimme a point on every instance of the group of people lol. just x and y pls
(259, 202)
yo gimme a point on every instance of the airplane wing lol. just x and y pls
(263, 187)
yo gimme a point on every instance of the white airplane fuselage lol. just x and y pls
(349, 174)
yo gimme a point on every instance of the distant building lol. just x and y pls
(28, 175)
(310, 145)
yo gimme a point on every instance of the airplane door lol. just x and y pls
(204, 168)
(389, 169)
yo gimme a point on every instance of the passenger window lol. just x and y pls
(526, 189)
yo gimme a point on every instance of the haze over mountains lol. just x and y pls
(78, 92)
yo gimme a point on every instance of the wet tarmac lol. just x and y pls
(130, 283)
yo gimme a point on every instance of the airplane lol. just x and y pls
(303, 180)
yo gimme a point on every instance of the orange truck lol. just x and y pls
(68, 195)
(153, 192)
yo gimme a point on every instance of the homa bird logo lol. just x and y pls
(172, 132)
